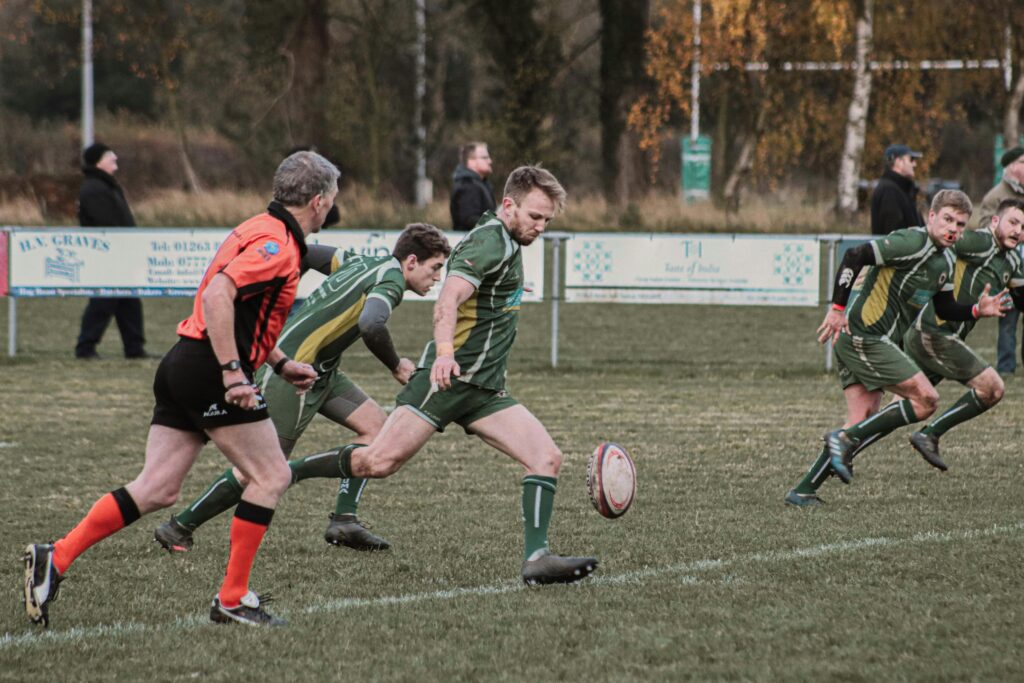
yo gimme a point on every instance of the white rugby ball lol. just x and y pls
(611, 480)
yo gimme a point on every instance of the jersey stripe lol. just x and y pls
(329, 331)
(877, 301)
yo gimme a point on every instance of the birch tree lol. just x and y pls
(856, 114)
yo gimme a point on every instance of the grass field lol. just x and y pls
(907, 574)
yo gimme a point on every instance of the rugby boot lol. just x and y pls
(550, 568)
(347, 530)
(173, 536)
(249, 612)
(802, 500)
(840, 446)
(928, 446)
(42, 581)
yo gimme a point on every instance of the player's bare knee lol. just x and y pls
(158, 498)
(926, 404)
(366, 436)
(990, 393)
(384, 467)
(548, 463)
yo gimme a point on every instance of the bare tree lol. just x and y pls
(856, 114)
(622, 77)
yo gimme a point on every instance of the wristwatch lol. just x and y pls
(231, 365)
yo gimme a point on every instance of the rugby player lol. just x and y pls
(461, 375)
(909, 269)
(204, 390)
(355, 302)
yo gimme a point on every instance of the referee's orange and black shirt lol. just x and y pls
(262, 257)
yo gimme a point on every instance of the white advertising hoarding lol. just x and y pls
(700, 269)
(171, 261)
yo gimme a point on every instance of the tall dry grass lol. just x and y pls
(359, 209)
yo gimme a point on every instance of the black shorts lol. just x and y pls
(189, 391)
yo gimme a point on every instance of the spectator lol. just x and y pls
(101, 204)
(472, 195)
(1010, 187)
(894, 201)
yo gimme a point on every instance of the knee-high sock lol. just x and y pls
(108, 515)
(222, 495)
(247, 531)
(327, 465)
(816, 475)
(538, 503)
(893, 416)
(967, 407)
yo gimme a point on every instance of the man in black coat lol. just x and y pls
(894, 201)
(101, 204)
(472, 195)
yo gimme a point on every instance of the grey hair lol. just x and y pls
(302, 176)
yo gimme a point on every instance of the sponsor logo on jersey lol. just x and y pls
(269, 250)
(214, 411)
(942, 279)
(921, 297)
(846, 277)
(514, 301)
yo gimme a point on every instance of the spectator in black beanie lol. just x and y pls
(101, 204)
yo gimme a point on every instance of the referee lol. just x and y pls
(204, 390)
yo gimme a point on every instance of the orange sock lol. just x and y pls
(247, 529)
(108, 515)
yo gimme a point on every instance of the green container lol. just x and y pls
(696, 173)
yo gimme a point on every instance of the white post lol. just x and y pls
(556, 254)
(1007, 60)
(833, 245)
(424, 187)
(556, 286)
(12, 326)
(695, 76)
(87, 97)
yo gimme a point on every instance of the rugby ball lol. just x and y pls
(611, 480)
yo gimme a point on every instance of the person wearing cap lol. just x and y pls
(102, 204)
(1010, 187)
(894, 201)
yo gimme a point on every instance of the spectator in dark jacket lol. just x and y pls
(101, 204)
(894, 201)
(472, 195)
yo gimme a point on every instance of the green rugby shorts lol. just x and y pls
(875, 362)
(943, 355)
(462, 404)
(292, 413)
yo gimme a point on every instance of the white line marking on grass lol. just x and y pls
(8, 444)
(688, 569)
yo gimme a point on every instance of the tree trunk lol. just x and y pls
(181, 136)
(1011, 117)
(856, 117)
(720, 144)
(745, 161)
(310, 47)
(622, 78)
(527, 53)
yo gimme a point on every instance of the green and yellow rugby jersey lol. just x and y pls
(328, 321)
(980, 261)
(909, 270)
(491, 261)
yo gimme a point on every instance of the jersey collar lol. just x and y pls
(277, 210)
